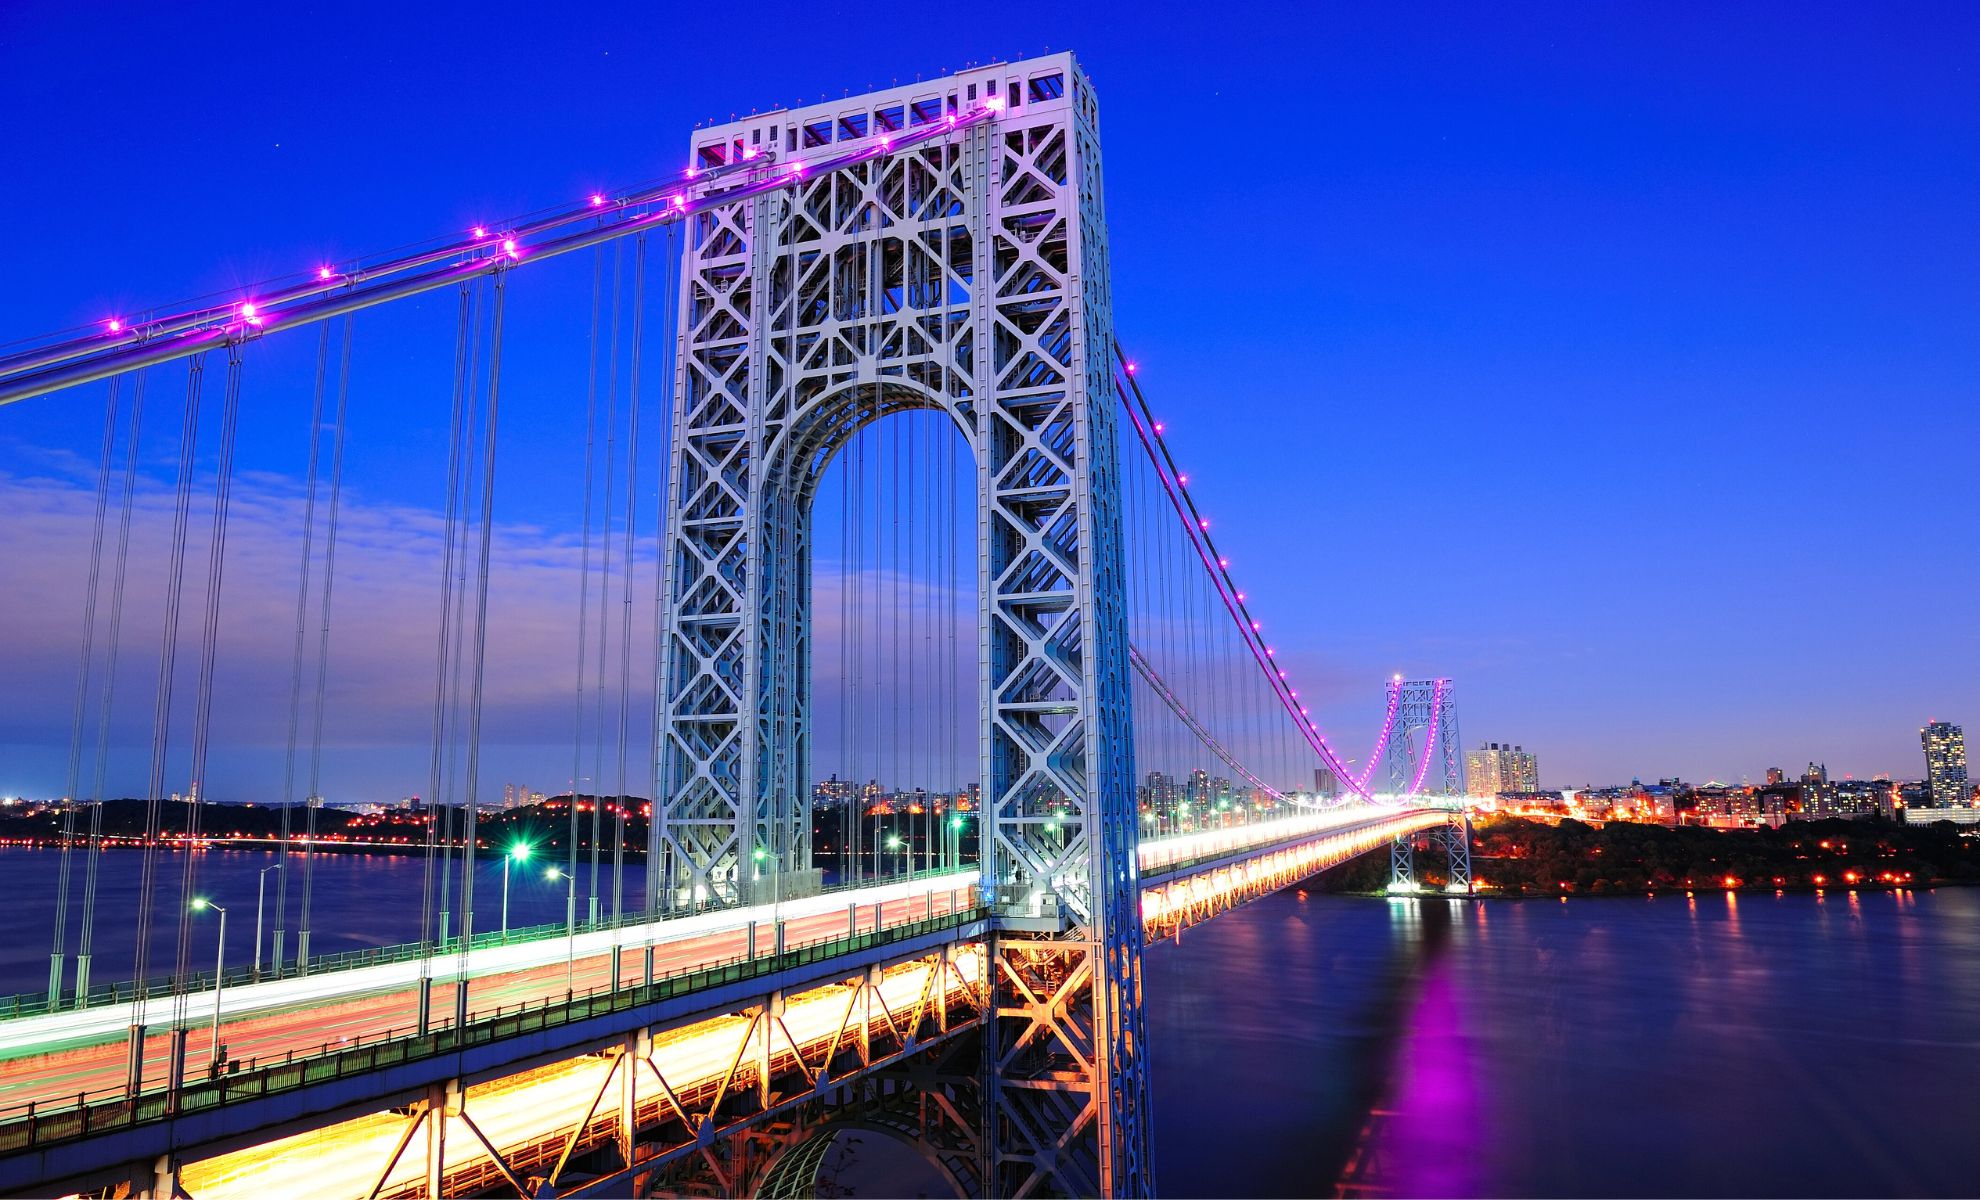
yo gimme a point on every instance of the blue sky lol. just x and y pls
(1627, 351)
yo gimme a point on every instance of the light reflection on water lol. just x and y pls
(1685, 1046)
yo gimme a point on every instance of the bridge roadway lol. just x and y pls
(53, 1058)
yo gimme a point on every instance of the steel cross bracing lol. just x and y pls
(1423, 707)
(968, 275)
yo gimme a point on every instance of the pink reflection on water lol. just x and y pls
(1430, 1139)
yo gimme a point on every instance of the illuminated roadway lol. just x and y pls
(52, 1058)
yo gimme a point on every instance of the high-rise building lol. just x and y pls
(1325, 784)
(1495, 767)
(1775, 776)
(1945, 763)
(1818, 795)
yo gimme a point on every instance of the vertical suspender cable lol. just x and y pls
(315, 798)
(430, 937)
(69, 797)
(480, 639)
(118, 575)
(584, 602)
(626, 575)
(450, 777)
(223, 483)
(604, 582)
(671, 251)
(161, 719)
(296, 654)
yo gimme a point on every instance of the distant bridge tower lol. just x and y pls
(1426, 716)
(968, 275)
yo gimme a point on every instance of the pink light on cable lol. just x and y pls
(996, 104)
(249, 313)
(597, 201)
(323, 272)
(116, 326)
(750, 152)
(509, 248)
(1203, 522)
(1223, 562)
(480, 232)
(1159, 427)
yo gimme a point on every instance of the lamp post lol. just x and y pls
(260, 894)
(201, 904)
(894, 843)
(517, 853)
(570, 922)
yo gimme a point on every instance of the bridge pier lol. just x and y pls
(1402, 864)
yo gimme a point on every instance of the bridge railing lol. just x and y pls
(34, 1004)
(35, 1124)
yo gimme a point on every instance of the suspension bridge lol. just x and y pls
(798, 369)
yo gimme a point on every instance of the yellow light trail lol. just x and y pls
(528, 1108)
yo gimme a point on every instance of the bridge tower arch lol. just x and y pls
(968, 273)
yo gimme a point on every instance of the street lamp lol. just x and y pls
(260, 892)
(517, 853)
(201, 904)
(894, 843)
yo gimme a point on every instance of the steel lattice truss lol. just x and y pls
(967, 275)
(1424, 707)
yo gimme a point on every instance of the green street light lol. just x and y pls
(761, 854)
(893, 843)
(201, 904)
(518, 852)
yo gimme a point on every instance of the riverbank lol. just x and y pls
(1514, 857)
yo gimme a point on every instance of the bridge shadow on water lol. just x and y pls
(1308, 1045)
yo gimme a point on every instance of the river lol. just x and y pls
(1723, 1044)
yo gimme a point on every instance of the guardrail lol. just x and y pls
(34, 1004)
(26, 1127)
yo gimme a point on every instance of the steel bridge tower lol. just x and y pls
(1426, 708)
(966, 275)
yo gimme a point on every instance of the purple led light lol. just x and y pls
(597, 201)
(116, 326)
(480, 232)
(1430, 736)
(323, 272)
